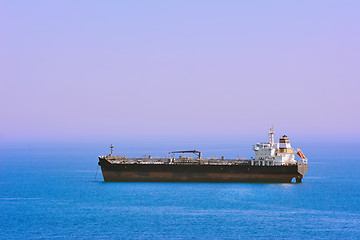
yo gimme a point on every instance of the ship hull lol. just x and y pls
(200, 173)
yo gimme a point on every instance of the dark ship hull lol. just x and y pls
(134, 172)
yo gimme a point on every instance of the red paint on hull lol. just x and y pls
(115, 176)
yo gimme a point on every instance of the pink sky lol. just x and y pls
(189, 68)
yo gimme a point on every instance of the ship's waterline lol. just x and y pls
(113, 176)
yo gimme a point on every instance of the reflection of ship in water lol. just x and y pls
(273, 162)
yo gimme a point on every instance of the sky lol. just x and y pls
(111, 69)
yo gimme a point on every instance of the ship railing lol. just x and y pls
(214, 162)
(179, 161)
(302, 161)
(137, 160)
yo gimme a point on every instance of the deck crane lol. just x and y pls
(302, 156)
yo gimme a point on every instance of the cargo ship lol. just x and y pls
(273, 163)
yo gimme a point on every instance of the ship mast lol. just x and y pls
(111, 149)
(271, 136)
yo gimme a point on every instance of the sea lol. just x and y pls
(56, 191)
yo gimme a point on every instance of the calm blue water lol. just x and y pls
(49, 192)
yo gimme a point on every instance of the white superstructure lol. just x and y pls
(276, 154)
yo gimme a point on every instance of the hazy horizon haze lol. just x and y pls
(89, 70)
